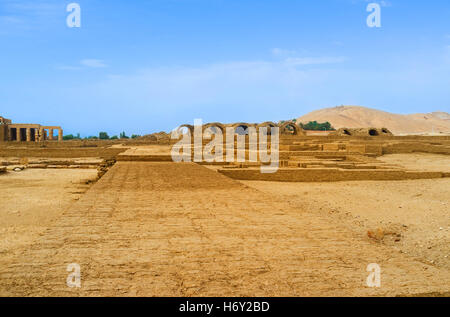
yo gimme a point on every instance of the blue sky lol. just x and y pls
(146, 66)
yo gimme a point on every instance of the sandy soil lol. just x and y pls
(419, 161)
(168, 229)
(33, 198)
(154, 149)
(413, 214)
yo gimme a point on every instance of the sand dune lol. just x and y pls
(359, 117)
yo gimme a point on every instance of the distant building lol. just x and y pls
(22, 132)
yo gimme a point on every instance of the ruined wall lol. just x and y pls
(411, 147)
(362, 132)
(328, 175)
(3, 133)
(106, 153)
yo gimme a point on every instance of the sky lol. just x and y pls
(147, 66)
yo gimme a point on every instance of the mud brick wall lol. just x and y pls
(327, 175)
(65, 144)
(400, 148)
(356, 148)
(3, 133)
(146, 158)
(331, 147)
(374, 149)
(106, 153)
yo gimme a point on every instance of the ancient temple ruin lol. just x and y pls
(24, 132)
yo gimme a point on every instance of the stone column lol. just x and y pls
(28, 135)
(18, 134)
(60, 135)
(9, 134)
(36, 135)
(50, 131)
(43, 135)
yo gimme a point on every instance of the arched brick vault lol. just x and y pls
(214, 124)
(373, 132)
(244, 125)
(362, 132)
(267, 124)
(385, 131)
(296, 129)
(188, 126)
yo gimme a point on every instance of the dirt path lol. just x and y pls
(164, 229)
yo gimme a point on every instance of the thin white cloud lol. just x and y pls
(303, 61)
(293, 58)
(231, 84)
(33, 8)
(279, 52)
(337, 43)
(27, 15)
(84, 63)
(10, 19)
(93, 63)
(385, 3)
(12, 22)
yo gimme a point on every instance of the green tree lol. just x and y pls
(123, 135)
(315, 126)
(103, 136)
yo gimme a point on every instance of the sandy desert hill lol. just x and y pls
(359, 117)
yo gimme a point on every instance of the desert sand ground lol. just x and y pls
(168, 229)
(419, 161)
(413, 214)
(33, 198)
